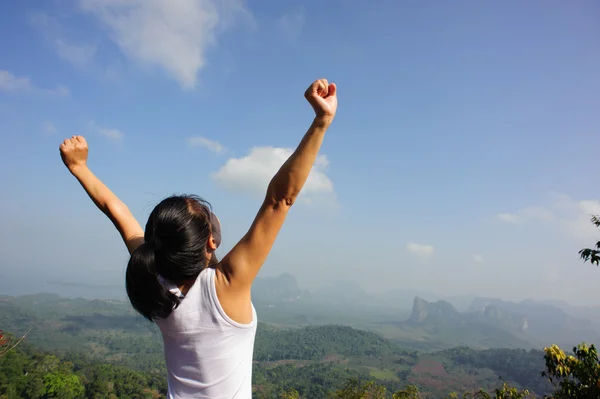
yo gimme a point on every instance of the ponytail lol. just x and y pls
(175, 251)
(147, 295)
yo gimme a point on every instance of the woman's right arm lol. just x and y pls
(74, 153)
(241, 265)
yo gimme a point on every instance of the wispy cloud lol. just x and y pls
(10, 82)
(171, 35)
(291, 24)
(580, 226)
(477, 258)
(569, 215)
(13, 83)
(508, 217)
(423, 251)
(199, 141)
(110, 133)
(79, 55)
(525, 214)
(251, 174)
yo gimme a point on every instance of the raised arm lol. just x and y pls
(241, 265)
(74, 153)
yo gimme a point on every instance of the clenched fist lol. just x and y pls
(74, 152)
(322, 96)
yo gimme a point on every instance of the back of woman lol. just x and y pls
(205, 350)
(203, 306)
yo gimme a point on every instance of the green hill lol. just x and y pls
(318, 342)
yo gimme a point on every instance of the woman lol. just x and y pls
(202, 306)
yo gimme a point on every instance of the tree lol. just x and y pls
(291, 394)
(574, 377)
(592, 254)
(506, 392)
(6, 343)
(63, 385)
(410, 392)
(355, 389)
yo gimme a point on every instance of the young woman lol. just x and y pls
(203, 306)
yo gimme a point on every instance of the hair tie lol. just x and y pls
(170, 286)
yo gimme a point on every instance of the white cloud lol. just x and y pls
(522, 215)
(291, 23)
(477, 258)
(112, 134)
(49, 127)
(581, 226)
(251, 174)
(78, 55)
(569, 215)
(12, 83)
(508, 217)
(212, 145)
(421, 250)
(172, 35)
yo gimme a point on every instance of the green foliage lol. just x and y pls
(356, 389)
(410, 392)
(29, 374)
(291, 394)
(505, 392)
(315, 343)
(592, 255)
(310, 381)
(518, 365)
(63, 385)
(575, 377)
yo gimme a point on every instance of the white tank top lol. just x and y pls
(208, 355)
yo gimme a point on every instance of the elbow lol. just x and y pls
(279, 203)
(281, 197)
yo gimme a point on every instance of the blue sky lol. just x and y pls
(462, 159)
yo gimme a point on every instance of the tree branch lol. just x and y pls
(5, 351)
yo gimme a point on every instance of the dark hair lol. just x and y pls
(175, 248)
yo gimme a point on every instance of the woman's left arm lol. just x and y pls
(74, 153)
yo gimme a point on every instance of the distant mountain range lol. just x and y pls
(440, 325)
(480, 322)
(496, 323)
(543, 321)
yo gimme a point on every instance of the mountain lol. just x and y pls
(544, 322)
(283, 288)
(591, 313)
(424, 312)
(493, 315)
(440, 325)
